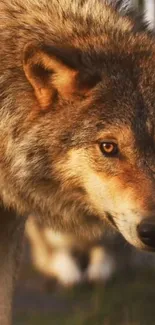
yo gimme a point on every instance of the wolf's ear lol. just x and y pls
(51, 70)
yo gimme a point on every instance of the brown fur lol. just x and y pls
(74, 74)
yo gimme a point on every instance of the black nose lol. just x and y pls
(146, 232)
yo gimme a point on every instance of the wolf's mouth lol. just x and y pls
(111, 220)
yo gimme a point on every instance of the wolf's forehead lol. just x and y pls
(121, 115)
(125, 121)
(123, 69)
(120, 104)
(126, 96)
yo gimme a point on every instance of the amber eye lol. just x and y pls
(109, 148)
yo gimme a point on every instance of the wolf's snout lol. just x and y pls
(146, 232)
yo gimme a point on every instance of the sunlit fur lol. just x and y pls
(51, 164)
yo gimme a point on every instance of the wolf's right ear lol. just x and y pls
(53, 70)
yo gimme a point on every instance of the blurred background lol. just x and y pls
(148, 8)
(64, 280)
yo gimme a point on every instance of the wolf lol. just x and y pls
(77, 146)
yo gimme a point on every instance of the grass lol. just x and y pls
(128, 299)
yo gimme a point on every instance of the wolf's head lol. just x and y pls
(83, 143)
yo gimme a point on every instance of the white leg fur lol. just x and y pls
(54, 262)
(64, 268)
(101, 266)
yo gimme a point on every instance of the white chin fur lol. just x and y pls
(129, 232)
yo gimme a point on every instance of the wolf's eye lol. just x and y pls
(109, 148)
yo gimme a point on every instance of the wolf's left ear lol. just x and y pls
(51, 70)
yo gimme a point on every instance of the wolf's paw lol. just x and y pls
(101, 267)
(64, 268)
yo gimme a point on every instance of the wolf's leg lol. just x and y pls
(51, 253)
(11, 238)
(102, 264)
